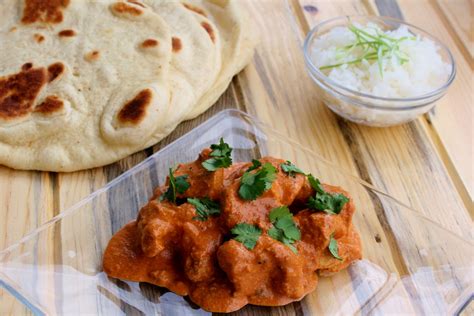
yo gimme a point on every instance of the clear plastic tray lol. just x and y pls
(410, 265)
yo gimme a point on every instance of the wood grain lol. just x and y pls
(450, 124)
(27, 201)
(459, 15)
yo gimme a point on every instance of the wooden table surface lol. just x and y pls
(426, 163)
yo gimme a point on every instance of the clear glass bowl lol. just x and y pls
(410, 265)
(364, 108)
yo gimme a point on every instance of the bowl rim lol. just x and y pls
(321, 76)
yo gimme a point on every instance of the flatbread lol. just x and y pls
(196, 59)
(82, 83)
(239, 38)
(86, 83)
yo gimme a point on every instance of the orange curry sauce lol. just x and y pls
(168, 247)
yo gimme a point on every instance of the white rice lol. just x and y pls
(424, 71)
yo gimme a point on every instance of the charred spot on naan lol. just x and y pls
(195, 9)
(13, 29)
(138, 3)
(50, 105)
(176, 44)
(55, 71)
(27, 66)
(92, 56)
(122, 8)
(19, 91)
(67, 33)
(38, 37)
(134, 111)
(150, 43)
(50, 11)
(209, 31)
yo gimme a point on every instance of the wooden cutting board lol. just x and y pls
(426, 163)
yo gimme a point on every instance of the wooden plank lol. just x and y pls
(27, 200)
(450, 124)
(459, 15)
(10, 306)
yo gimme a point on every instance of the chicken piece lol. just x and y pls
(124, 259)
(348, 210)
(167, 226)
(204, 183)
(349, 249)
(198, 249)
(255, 273)
(165, 273)
(217, 295)
(159, 225)
(304, 193)
(317, 227)
(283, 191)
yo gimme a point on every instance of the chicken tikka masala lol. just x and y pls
(228, 234)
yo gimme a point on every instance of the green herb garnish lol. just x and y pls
(290, 168)
(333, 248)
(323, 201)
(246, 234)
(284, 228)
(220, 156)
(255, 165)
(373, 47)
(252, 185)
(176, 185)
(204, 208)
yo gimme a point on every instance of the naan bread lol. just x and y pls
(86, 83)
(239, 38)
(196, 59)
(82, 83)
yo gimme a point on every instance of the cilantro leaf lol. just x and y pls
(252, 185)
(333, 248)
(290, 230)
(324, 201)
(204, 208)
(246, 234)
(290, 168)
(279, 212)
(220, 150)
(292, 247)
(176, 185)
(220, 156)
(331, 204)
(315, 184)
(275, 233)
(284, 228)
(212, 164)
(255, 165)
(181, 184)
